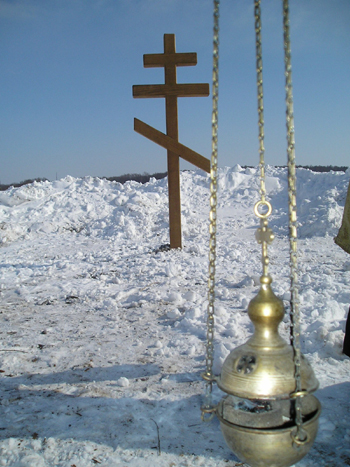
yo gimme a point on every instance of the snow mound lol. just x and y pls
(99, 208)
(104, 328)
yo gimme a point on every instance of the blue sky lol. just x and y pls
(68, 67)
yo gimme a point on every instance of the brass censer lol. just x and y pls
(257, 416)
(269, 417)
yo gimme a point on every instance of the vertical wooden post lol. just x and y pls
(172, 130)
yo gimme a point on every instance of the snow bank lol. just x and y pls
(103, 330)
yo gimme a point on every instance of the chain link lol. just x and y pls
(259, 73)
(301, 435)
(208, 374)
(262, 208)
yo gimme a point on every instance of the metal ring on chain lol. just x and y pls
(296, 394)
(208, 413)
(296, 437)
(261, 204)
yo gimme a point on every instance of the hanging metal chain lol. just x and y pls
(208, 410)
(262, 208)
(301, 436)
(259, 73)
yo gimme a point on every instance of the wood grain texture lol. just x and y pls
(173, 158)
(164, 90)
(160, 60)
(168, 143)
(170, 90)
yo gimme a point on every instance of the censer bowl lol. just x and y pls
(265, 439)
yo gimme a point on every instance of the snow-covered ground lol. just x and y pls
(103, 333)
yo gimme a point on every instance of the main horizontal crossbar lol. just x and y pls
(172, 145)
(164, 90)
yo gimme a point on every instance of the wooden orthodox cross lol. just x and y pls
(171, 91)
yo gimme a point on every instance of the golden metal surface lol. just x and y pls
(269, 447)
(263, 367)
(264, 236)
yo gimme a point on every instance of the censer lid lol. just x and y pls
(263, 367)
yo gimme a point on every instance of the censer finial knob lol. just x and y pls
(266, 312)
